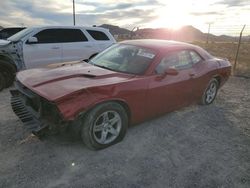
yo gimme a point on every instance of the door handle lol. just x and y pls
(55, 48)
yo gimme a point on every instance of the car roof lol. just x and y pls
(70, 27)
(167, 45)
(157, 44)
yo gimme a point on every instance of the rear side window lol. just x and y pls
(60, 36)
(72, 35)
(178, 60)
(195, 57)
(98, 35)
(184, 60)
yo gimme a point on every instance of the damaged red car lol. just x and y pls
(126, 84)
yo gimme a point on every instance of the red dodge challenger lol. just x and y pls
(127, 83)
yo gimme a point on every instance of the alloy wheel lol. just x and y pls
(107, 127)
(211, 92)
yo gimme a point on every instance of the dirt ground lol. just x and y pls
(198, 146)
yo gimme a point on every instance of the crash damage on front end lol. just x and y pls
(37, 114)
(12, 52)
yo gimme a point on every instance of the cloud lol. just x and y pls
(137, 16)
(206, 13)
(49, 12)
(233, 3)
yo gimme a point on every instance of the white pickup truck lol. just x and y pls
(42, 46)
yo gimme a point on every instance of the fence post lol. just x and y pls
(208, 32)
(238, 49)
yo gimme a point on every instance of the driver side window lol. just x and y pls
(178, 60)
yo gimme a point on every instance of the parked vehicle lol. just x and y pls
(42, 46)
(127, 83)
(8, 32)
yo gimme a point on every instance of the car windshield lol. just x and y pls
(18, 36)
(7, 32)
(124, 58)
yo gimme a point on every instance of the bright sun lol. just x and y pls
(172, 15)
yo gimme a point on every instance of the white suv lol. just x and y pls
(41, 46)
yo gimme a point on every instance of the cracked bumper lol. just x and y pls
(25, 114)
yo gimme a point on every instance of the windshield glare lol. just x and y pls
(18, 36)
(125, 58)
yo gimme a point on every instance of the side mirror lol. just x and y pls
(32, 40)
(171, 71)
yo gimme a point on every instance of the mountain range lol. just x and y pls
(185, 33)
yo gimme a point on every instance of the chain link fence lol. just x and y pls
(234, 45)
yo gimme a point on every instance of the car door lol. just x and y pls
(170, 92)
(47, 50)
(76, 45)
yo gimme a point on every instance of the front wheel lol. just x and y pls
(104, 126)
(210, 92)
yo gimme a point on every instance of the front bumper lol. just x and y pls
(37, 114)
(25, 113)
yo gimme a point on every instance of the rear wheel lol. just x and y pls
(210, 92)
(2, 81)
(104, 126)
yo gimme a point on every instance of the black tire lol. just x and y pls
(2, 81)
(8, 71)
(210, 93)
(9, 78)
(90, 120)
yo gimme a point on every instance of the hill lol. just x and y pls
(185, 33)
(115, 30)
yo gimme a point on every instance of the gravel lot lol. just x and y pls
(198, 146)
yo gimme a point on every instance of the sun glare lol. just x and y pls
(172, 15)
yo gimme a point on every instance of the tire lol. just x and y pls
(8, 71)
(210, 93)
(104, 126)
(2, 81)
(9, 78)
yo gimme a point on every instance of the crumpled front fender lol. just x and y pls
(13, 53)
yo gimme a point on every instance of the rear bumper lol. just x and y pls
(30, 121)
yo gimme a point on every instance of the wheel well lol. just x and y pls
(7, 64)
(126, 107)
(218, 78)
(122, 103)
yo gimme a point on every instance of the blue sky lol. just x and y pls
(129, 13)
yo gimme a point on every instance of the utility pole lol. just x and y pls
(208, 32)
(238, 49)
(74, 14)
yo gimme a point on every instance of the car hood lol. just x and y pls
(4, 42)
(55, 84)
